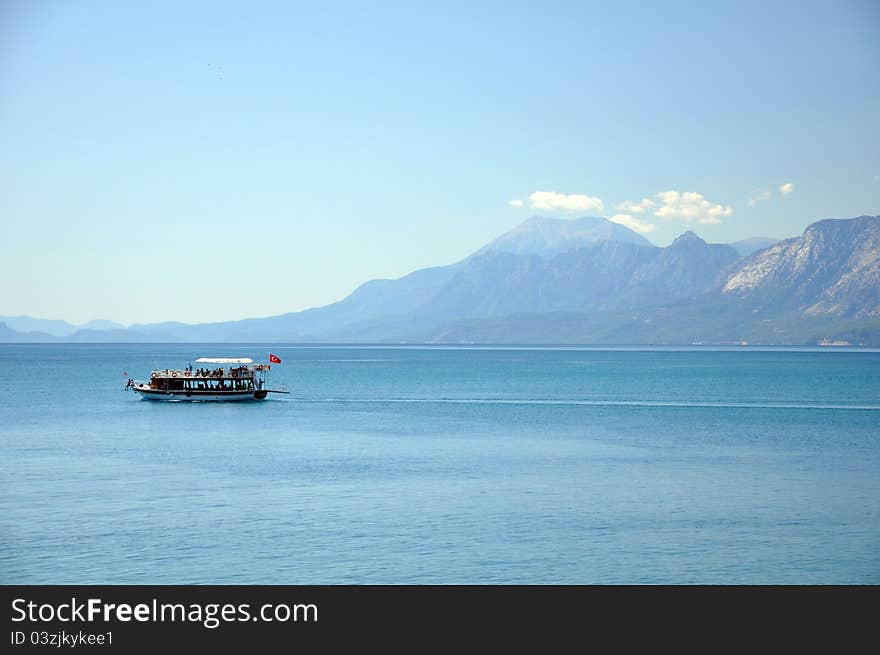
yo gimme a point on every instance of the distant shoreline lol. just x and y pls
(470, 346)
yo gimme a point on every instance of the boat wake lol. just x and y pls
(594, 403)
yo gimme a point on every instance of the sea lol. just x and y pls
(435, 465)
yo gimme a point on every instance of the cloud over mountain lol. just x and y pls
(571, 201)
(690, 207)
(639, 207)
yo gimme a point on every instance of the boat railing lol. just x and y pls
(245, 373)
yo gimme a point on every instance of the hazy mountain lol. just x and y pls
(824, 285)
(688, 322)
(599, 276)
(547, 237)
(422, 290)
(8, 335)
(834, 268)
(101, 325)
(746, 247)
(684, 269)
(590, 281)
(48, 326)
(369, 301)
(56, 328)
(419, 295)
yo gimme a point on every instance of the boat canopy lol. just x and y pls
(224, 360)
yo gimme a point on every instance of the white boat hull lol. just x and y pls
(146, 393)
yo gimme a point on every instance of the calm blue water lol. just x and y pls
(392, 465)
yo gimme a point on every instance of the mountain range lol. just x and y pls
(586, 281)
(54, 327)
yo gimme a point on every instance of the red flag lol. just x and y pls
(274, 359)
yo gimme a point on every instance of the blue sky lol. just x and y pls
(223, 160)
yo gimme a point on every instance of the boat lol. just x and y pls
(221, 379)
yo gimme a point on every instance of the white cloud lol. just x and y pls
(786, 188)
(572, 201)
(636, 207)
(758, 196)
(690, 207)
(516, 202)
(635, 224)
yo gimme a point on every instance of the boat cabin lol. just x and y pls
(233, 375)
